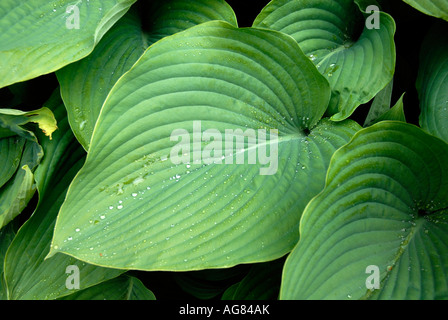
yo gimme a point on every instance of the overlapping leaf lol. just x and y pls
(86, 84)
(436, 8)
(136, 208)
(19, 190)
(385, 205)
(41, 36)
(357, 66)
(169, 17)
(432, 82)
(12, 122)
(28, 275)
(120, 48)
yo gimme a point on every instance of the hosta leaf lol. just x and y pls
(168, 17)
(357, 66)
(12, 122)
(96, 74)
(28, 275)
(119, 49)
(10, 154)
(138, 207)
(39, 37)
(384, 205)
(18, 191)
(432, 82)
(121, 288)
(436, 8)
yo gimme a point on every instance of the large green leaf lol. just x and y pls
(357, 66)
(38, 37)
(138, 207)
(385, 205)
(436, 8)
(432, 82)
(96, 74)
(10, 154)
(119, 49)
(28, 275)
(168, 17)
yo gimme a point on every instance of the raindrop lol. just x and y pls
(138, 181)
(82, 125)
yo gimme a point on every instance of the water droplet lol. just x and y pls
(102, 217)
(82, 125)
(135, 194)
(137, 181)
(77, 229)
(120, 207)
(111, 207)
